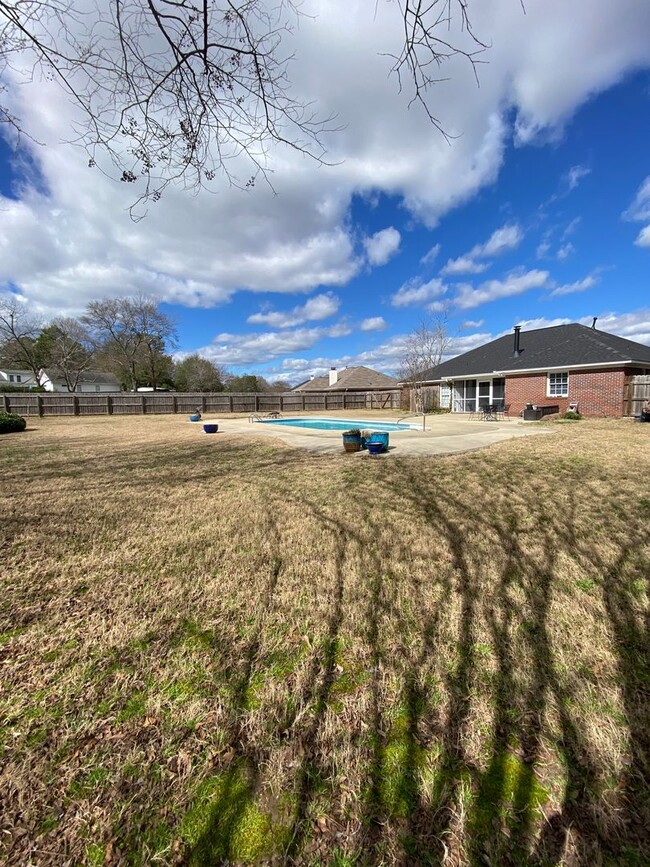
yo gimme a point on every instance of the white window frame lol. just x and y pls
(557, 373)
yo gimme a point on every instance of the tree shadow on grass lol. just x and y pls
(503, 815)
(225, 823)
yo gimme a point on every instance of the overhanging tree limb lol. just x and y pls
(173, 90)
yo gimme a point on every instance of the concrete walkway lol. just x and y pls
(444, 434)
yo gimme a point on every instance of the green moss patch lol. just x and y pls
(405, 770)
(508, 802)
(225, 824)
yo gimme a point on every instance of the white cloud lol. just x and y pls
(634, 325)
(431, 255)
(640, 207)
(374, 323)
(565, 251)
(317, 308)
(258, 348)
(575, 175)
(472, 323)
(643, 238)
(571, 227)
(639, 211)
(468, 297)
(579, 286)
(542, 249)
(506, 238)
(415, 292)
(382, 245)
(463, 265)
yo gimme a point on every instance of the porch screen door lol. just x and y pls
(484, 393)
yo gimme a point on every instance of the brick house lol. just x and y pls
(559, 366)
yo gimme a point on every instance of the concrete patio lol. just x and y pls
(444, 434)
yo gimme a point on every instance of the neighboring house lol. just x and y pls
(350, 379)
(91, 381)
(20, 378)
(562, 365)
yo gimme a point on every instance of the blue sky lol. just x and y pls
(535, 214)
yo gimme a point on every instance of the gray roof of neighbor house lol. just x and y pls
(565, 346)
(351, 378)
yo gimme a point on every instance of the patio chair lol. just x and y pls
(504, 411)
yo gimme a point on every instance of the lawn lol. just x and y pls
(219, 650)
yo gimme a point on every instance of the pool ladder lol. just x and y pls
(415, 415)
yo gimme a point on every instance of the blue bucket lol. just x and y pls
(210, 428)
(195, 416)
(379, 437)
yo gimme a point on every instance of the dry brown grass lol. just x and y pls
(220, 649)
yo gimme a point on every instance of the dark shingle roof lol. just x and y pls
(359, 378)
(559, 346)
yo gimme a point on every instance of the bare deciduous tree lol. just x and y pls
(424, 349)
(66, 350)
(174, 89)
(19, 330)
(133, 335)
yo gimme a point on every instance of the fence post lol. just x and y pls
(143, 405)
(303, 402)
(344, 406)
(4, 403)
(174, 404)
(75, 405)
(39, 405)
(109, 405)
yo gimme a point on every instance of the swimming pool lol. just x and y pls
(340, 424)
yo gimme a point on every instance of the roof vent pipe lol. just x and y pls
(593, 324)
(517, 351)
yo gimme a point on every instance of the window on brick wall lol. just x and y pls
(557, 385)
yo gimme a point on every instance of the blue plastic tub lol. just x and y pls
(210, 428)
(195, 416)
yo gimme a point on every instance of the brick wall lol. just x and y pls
(598, 392)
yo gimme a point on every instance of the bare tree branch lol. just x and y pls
(178, 91)
(19, 330)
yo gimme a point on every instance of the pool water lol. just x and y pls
(340, 424)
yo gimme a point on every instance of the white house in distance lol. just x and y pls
(18, 378)
(92, 381)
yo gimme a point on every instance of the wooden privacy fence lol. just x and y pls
(148, 403)
(637, 393)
